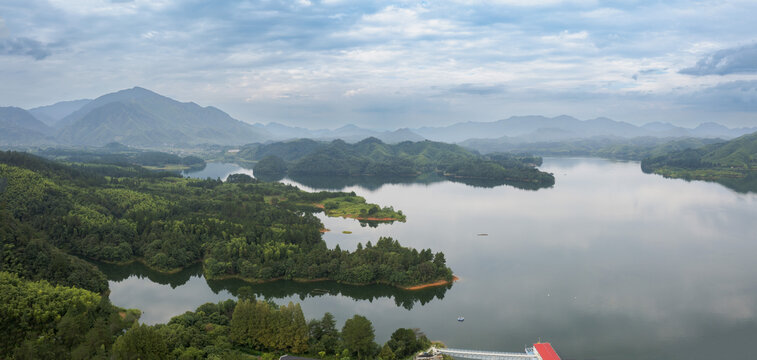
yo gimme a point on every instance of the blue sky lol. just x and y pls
(393, 64)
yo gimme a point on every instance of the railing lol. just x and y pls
(486, 355)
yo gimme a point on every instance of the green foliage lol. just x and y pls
(235, 228)
(324, 337)
(117, 154)
(358, 337)
(140, 342)
(386, 353)
(45, 321)
(357, 207)
(720, 161)
(371, 157)
(262, 326)
(405, 342)
(24, 253)
(270, 165)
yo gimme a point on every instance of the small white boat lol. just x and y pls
(460, 319)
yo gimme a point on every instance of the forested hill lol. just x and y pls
(732, 159)
(240, 228)
(372, 157)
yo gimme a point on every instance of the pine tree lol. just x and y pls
(300, 338)
(241, 322)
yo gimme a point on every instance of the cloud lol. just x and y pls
(730, 96)
(739, 60)
(25, 47)
(3, 29)
(357, 61)
(477, 89)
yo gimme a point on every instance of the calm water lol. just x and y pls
(610, 263)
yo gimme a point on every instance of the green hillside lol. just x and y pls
(372, 157)
(241, 228)
(735, 159)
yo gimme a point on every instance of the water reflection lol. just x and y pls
(303, 290)
(275, 290)
(118, 273)
(335, 183)
(610, 263)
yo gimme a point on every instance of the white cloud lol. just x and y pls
(397, 22)
(3, 29)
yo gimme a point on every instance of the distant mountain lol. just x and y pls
(140, 117)
(520, 126)
(601, 146)
(540, 128)
(19, 127)
(52, 114)
(349, 133)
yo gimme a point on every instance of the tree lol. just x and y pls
(324, 335)
(387, 353)
(358, 337)
(404, 343)
(241, 321)
(140, 342)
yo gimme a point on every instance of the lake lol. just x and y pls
(610, 263)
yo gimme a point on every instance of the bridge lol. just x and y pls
(486, 355)
(540, 351)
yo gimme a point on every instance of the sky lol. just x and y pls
(392, 64)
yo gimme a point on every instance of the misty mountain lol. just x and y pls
(349, 133)
(52, 114)
(562, 128)
(601, 146)
(19, 127)
(140, 117)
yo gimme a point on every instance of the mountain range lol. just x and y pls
(142, 118)
(528, 129)
(135, 117)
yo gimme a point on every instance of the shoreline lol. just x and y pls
(262, 281)
(433, 284)
(302, 280)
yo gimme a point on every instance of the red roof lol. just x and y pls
(546, 352)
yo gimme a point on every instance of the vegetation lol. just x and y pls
(117, 154)
(42, 321)
(270, 165)
(25, 253)
(242, 228)
(356, 207)
(726, 161)
(606, 147)
(371, 157)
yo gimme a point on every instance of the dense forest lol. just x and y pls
(43, 321)
(371, 157)
(240, 228)
(118, 154)
(734, 159)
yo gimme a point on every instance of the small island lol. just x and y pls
(356, 207)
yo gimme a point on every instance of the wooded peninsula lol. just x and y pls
(241, 228)
(372, 157)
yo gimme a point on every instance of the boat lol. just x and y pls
(460, 319)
